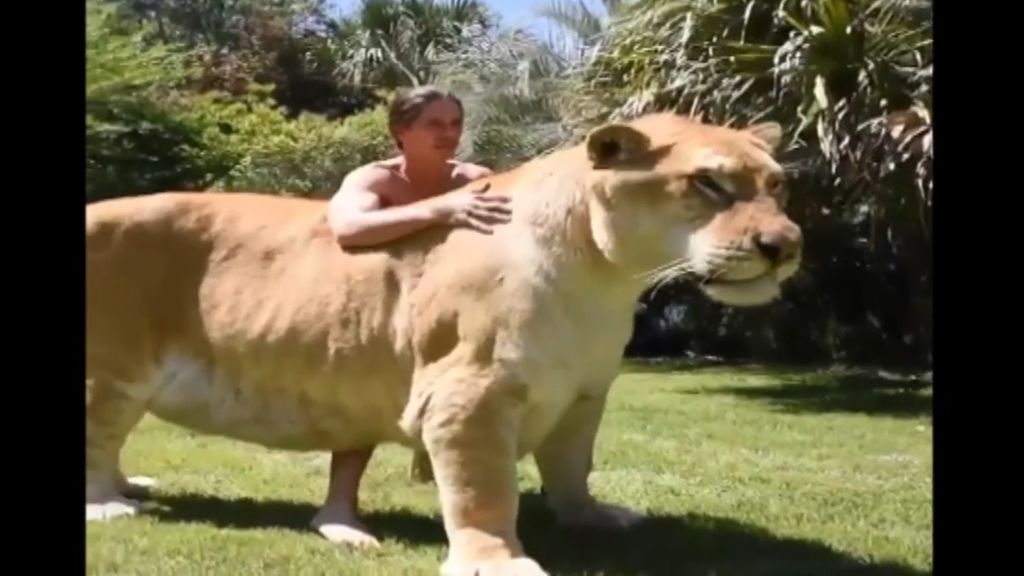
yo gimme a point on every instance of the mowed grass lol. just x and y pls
(742, 472)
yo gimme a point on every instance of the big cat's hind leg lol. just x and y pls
(111, 413)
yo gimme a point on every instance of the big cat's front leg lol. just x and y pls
(470, 427)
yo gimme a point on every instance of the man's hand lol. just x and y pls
(473, 209)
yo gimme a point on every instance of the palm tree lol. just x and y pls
(577, 19)
(392, 43)
(514, 89)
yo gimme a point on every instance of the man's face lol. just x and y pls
(436, 132)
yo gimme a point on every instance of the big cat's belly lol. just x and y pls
(283, 409)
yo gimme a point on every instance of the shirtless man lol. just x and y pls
(383, 201)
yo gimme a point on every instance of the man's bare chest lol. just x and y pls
(401, 191)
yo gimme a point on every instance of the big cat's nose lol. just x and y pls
(779, 243)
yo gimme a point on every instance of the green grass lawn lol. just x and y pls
(742, 471)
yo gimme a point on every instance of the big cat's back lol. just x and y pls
(192, 211)
(150, 259)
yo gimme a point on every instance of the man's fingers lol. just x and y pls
(490, 198)
(477, 224)
(491, 215)
(493, 208)
(494, 199)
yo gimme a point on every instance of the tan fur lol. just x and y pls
(238, 315)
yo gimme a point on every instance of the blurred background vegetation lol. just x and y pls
(287, 96)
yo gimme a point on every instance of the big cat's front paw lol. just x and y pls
(507, 567)
(109, 509)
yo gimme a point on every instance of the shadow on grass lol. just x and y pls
(854, 393)
(694, 544)
(246, 514)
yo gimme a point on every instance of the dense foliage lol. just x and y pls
(283, 96)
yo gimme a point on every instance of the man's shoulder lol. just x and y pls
(372, 175)
(379, 168)
(469, 171)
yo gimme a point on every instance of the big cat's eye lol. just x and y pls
(777, 189)
(712, 189)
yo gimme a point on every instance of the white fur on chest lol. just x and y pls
(193, 394)
(577, 356)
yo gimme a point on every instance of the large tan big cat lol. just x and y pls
(239, 315)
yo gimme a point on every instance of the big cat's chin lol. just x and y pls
(744, 293)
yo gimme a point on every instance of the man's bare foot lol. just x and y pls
(341, 526)
(338, 519)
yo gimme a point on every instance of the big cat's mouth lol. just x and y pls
(724, 281)
(750, 291)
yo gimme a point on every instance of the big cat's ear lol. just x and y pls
(615, 143)
(768, 132)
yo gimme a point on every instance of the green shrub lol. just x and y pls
(135, 143)
(305, 156)
(139, 148)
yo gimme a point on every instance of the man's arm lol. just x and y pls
(357, 218)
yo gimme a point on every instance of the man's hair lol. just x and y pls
(410, 103)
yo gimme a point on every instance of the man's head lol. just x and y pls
(426, 121)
